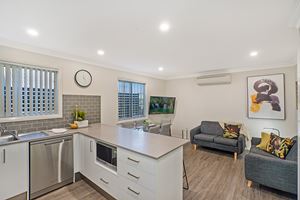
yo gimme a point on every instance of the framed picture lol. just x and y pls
(266, 97)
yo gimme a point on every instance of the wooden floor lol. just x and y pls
(76, 191)
(212, 175)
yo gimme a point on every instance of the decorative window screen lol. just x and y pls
(131, 99)
(27, 91)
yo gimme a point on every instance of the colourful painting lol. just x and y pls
(266, 97)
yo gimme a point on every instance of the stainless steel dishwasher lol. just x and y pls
(51, 165)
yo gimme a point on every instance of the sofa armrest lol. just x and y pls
(194, 132)
(241, 144)
(255, 141)
(272, 172)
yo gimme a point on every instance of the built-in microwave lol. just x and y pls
(107, 155)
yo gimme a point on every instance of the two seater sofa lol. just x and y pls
(210, 134)
(268, 170)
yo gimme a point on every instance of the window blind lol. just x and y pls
(131, 100)
(27, 91)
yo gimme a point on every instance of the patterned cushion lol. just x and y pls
(293, 153)
(279, 146)
(231, 131)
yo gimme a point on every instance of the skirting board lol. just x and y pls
(22, 196)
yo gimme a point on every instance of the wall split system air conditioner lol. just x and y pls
(216, 79)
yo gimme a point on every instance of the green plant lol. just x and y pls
(146, 122)
(78, 115)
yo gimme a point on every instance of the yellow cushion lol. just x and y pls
(265, 140)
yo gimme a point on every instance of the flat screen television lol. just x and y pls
(161, 105)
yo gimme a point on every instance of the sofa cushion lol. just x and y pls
(211, 128)
(225, 141)
(205, 137)
(293, 153)
(265, 139)
(256, 150)
(231, 131)
(279, 146)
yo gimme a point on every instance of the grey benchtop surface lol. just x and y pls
(148, 144)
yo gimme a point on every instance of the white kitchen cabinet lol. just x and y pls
(88, 154)
(138, 177)
(14, 170)
(103, 177)
(77, 152)
(107, 180)
(142, 177)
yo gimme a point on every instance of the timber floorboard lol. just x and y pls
(212, 175)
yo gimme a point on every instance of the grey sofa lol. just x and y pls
(265, 169)
(210, 134)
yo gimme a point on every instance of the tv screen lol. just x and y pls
(162, 105)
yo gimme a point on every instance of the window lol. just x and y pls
(27, 91)
(131, 97)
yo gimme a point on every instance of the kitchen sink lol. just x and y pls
(23, 136)
(31, 136)
(7, 139)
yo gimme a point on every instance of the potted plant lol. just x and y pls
(79, 117)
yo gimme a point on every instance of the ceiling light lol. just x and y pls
(253, 53)
(100, 52)
(32, 32)
(160, 69)
(164, 27)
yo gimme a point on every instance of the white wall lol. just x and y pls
(229, 103)
(104, 80)
(193, 104)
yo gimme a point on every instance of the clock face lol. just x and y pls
(83, 78)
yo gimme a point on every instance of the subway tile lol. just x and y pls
(91, 105)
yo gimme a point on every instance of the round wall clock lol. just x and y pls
(83, 78)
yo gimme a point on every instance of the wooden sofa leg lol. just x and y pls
(235, 155)
(194, 146)
(249, 184)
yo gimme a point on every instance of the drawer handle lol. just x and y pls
(131, 190)
(91, 146)
(136, 161)
(130, 174)
(51, 143)
(4, 156)
(104, 181)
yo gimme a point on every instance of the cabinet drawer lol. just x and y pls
(108, 181)
(137, 161)
(137, 176)
(132, 191)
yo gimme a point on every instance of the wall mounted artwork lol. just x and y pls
(266, 97)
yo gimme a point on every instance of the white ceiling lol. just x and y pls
(204, 35)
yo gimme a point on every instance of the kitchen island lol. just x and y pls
(147, 166)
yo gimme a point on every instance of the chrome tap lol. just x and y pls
(13, 133)
(4, 131)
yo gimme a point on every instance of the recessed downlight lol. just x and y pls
(160, 69)
(32, 32)
(253, 53)
(164, 27)
(100, 52)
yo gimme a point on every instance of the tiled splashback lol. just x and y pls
(90, 104)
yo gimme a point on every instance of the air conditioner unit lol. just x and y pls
(215, 79)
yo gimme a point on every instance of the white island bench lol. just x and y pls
(149, 166)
